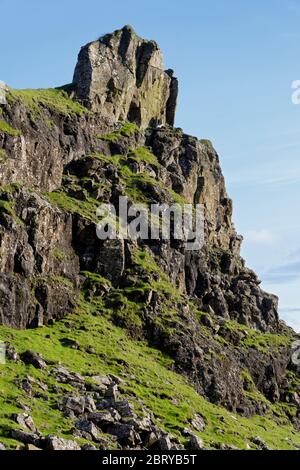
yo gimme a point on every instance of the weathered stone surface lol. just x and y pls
(63, 375)
(69, 343)
(88, 447)
(260, 443)
(74, 404)
(89, 428)
(16, 309)
(124, 408)
(57, 443)
(195, 443)
(124, 433)
(36, 359)
(25, 437)
(111, 259)
(26, 421)
(31, 447)
(163, 443)
(121, 76)
(11, 353)
(35, 254)
(198, 423)
(111, 393)
(103, 418)
(89, 405)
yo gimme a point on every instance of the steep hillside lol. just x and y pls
(128, 343)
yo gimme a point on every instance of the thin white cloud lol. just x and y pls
(290, 310)
(291, 316)
(262, 236)
(243, 179)
(285, 273)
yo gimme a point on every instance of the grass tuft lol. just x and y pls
(5, 128)
(53, 99)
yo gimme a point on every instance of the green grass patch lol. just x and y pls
(263, 342)
(96, 278)
(145, 155)
(53, 99)
(126, 130)
(86, 208)
(5, 128)
(3, 156)
(147, 373)
(60, 255)
(207, 143)
(8, 208)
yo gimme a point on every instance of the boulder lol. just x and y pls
(69, 343)
(63, 375)
(88, 447)
(260, 443)
(198, 423)
(195, 443)
(103, 418)
(163, 443)
(31, 447)
(111, 393)
(125, 408)
(25, 437)
(89, 428)
(73, 403)
(33, 358)
(26, 421)
(52, 442)
(124, 433)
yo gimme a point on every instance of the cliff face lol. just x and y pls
(60, 160)
(215, 276)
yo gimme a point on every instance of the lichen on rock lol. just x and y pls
(121, 76)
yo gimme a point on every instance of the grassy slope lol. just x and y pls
(53, 99)
(147, 373)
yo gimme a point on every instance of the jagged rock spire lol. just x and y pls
(122, 77)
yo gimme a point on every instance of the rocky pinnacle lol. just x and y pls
(122, 77)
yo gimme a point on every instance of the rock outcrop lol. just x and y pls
(59, 160)
(121, 76)
(101, 419)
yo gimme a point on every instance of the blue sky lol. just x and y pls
(235, 61)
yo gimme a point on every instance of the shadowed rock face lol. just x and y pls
(121, 76)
